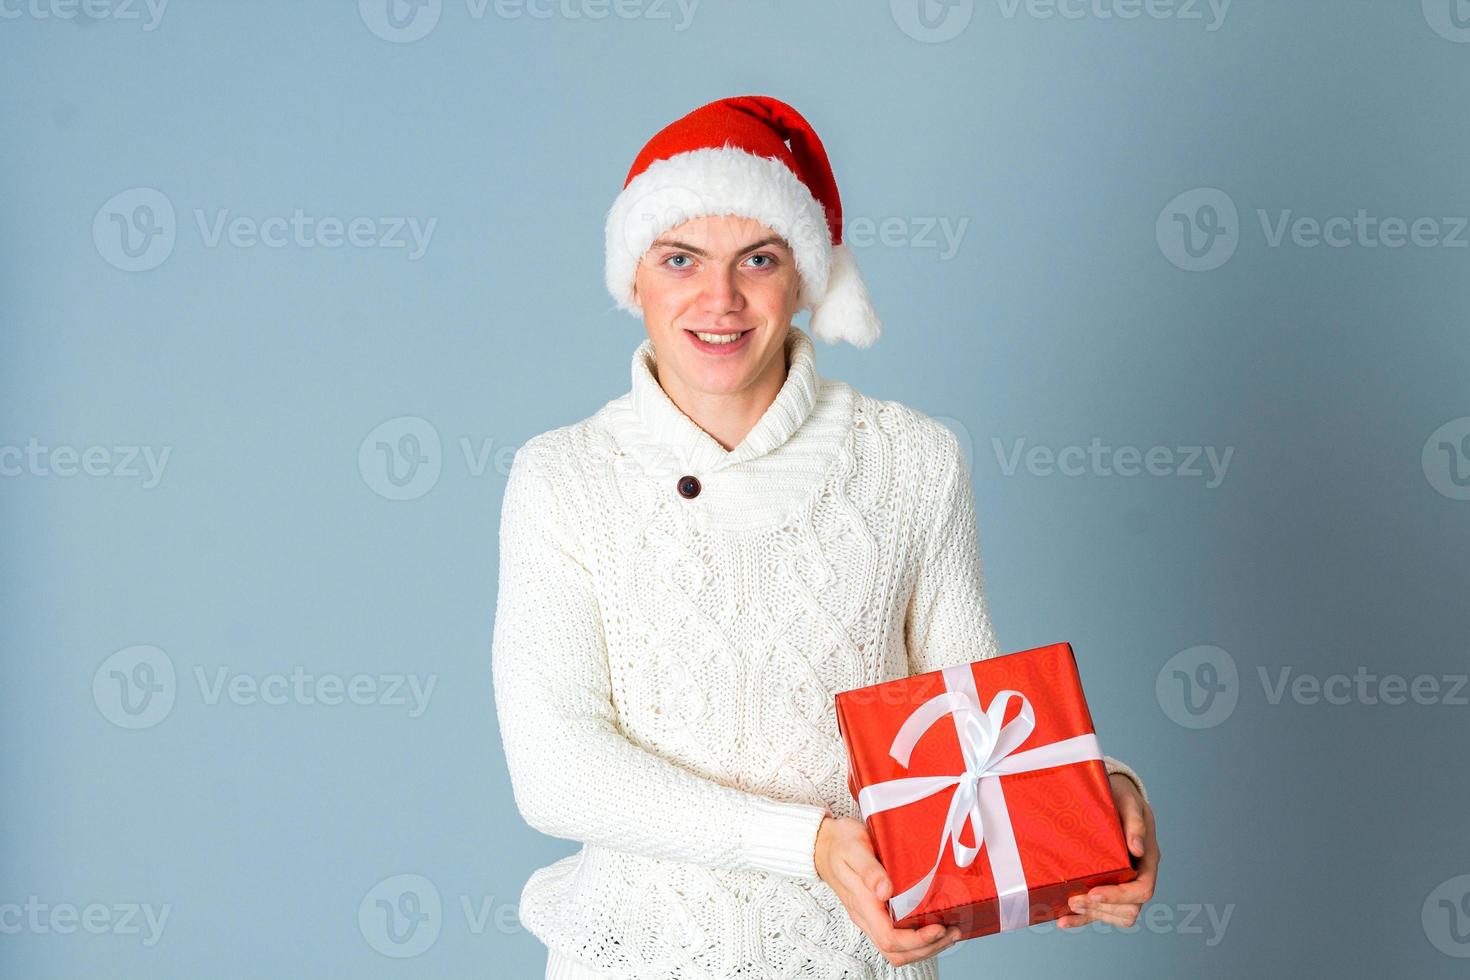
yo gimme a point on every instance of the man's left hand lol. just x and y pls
(1119, 904)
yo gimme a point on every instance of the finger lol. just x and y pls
(1148, 836)
(1081, 905)
(935, 935)
(1135, 892)
(1118, 914)
(1130, 815)
(868, 911)
(871, 887)
(1152, 836)
(864, 864)
(1148, 866)
(1124, 912)
(1141, 888)
(947, 938)
(873, 918)
(1103, 913)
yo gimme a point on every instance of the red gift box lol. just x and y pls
(990, 776)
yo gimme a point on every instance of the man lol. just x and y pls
(689, 575)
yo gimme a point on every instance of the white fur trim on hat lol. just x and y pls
(845, 313)
(716, 180)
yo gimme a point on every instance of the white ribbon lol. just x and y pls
(989, 749)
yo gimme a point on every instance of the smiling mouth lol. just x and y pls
(719, 337)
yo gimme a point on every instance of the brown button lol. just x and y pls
(689, 486)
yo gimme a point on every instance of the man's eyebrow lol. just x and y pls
(686, 247)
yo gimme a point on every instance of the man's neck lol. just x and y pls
(728, 418)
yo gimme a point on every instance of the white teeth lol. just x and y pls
(719, 338)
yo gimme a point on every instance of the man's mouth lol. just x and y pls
(719, 337)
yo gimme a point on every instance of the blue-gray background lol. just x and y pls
(1300, 837)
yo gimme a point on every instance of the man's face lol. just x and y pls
(724, 275)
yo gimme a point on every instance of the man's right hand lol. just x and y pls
(845, 861)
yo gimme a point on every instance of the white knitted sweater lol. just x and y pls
(664, 666)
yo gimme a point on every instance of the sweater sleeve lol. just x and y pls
(574, 774)
(949, 614)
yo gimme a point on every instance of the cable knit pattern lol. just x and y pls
(664, 667)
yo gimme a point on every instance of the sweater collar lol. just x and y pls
(696, 450)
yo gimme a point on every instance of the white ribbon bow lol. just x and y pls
(989, 750)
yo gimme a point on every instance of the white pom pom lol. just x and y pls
(845, 312)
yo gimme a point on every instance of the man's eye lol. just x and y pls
(768, 261)
(673, 258)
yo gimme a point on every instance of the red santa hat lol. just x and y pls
(756, 157)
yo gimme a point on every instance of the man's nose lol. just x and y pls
(721, 292)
